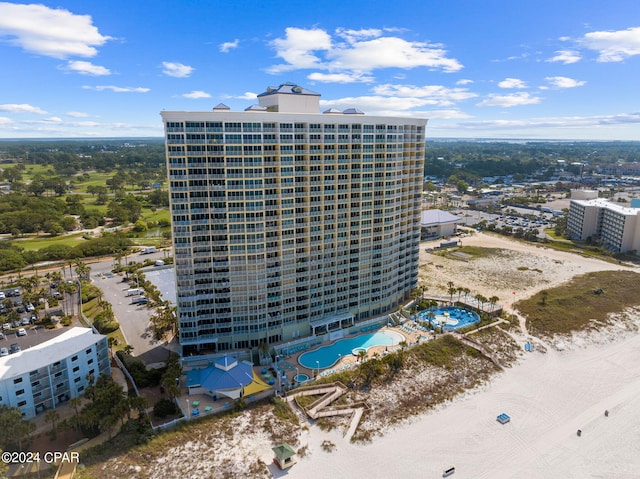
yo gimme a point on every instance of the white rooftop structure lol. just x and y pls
(46, 353)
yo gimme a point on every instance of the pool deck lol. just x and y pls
(350, 361)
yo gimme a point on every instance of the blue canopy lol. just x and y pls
(225, 374)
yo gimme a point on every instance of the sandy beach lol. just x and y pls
(548, 395)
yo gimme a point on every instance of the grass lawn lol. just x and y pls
(91, 309)
(575, 305)
(159, 214)
(35, 243)
(31, 170)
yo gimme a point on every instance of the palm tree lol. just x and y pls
(466, 292)
(479, 300)
(459, 289)
(82, 270)
(493, 300)
(362, 354)
(52, 416)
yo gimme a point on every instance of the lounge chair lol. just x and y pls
(208, 409)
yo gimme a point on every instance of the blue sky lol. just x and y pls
(546, 69)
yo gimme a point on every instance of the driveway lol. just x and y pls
(134, 319)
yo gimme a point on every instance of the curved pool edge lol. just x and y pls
(399, 336)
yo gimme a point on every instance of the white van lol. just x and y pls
(134, 292)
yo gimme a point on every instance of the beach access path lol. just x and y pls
(549, 396)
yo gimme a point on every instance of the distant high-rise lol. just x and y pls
(288, 222)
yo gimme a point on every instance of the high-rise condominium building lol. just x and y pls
(288, 222)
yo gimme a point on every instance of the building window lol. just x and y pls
(22, 403)
(74, 358)
(17, 381)
(76, 380)
(76, 369)
(19, 392)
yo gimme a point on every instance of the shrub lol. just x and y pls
(163, 408)
(105, 323)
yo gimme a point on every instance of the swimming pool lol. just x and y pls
(327, 356)
(451, 316)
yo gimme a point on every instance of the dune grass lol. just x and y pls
(576, 305)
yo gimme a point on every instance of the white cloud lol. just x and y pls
(51, 32)
(249, 95)
(434, 94)
(349, 77)
(512, 83)
(226, 46)
(445, 115)
(5, 121)
(566, 57)
(355, 52)
(118, 89)
(391, 52)
(22, 108)
(297, 48)
(383, 105)
(88, 68)
(195, 95)
(544, 124)
(613, 46)
(564, 82)
(177, 70)
(512, 99)
(77, 114)
(354, 35)
(464, 81)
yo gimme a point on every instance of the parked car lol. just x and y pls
(2, 295)
(30, 307)
(25, 321)
(4, 352)
(22, 332)
(6, 326)
(1, 335)
(14, 348)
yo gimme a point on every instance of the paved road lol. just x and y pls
(133, 319)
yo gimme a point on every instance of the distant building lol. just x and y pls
(615, 227)
(436, 224)
(50, 373)
(580, 194)
(483, 203)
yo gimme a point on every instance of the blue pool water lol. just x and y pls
(327, 356)
(453, 317)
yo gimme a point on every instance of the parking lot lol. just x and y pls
(134, 319)
(526, 219)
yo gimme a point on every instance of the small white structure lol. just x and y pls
(436, 224)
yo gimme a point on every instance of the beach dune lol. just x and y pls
(549, 396)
